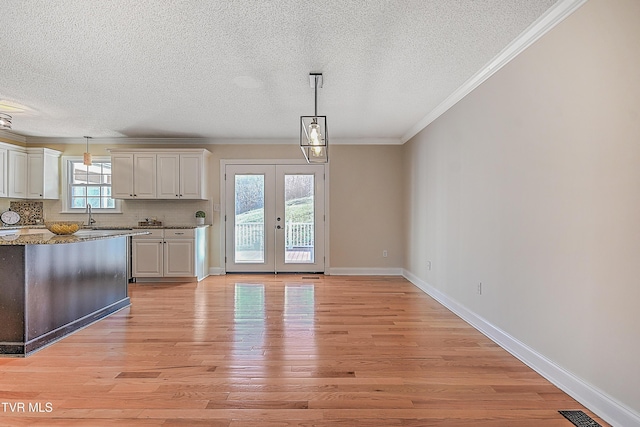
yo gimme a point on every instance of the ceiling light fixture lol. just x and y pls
(5, 121)
(87, 155)
(314, 139)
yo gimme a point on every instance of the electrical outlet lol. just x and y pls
(385, 253)
(428, 265)
(480, 288)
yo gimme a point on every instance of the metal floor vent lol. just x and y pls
(310, 277)
(579, 418)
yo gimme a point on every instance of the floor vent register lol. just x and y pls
(579, 419)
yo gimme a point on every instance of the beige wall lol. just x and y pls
(366, 206)
(365, 199)
(530, 185)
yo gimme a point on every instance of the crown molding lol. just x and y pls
(207, 141)
(9, 136)
(552, 17)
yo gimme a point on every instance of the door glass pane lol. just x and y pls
(249, 232)
(299, 217)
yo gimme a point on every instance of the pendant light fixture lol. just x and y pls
(314, 139)
(5, 121)
(87, 154)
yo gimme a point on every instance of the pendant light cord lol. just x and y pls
(315, 91)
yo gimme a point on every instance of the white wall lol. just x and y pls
(531, 185)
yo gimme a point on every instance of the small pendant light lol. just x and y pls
(87, 154)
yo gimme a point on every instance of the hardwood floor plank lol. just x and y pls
(266, 350)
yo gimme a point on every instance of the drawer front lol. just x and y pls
(179, 233)
(154, 233)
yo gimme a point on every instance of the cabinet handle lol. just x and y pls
(179, 234)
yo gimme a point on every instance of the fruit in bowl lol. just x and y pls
(63, 227)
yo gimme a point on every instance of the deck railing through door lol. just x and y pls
(250, 236)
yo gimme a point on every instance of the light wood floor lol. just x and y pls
(279, 351)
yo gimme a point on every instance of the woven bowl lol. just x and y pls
(63, 228)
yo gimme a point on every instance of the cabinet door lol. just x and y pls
(191, 166)
(144, 176)
(179, 258)
(147, 258)
(17, 174)
(51, 176)
(4, 190)
(35, 180)
(122, 176)
(168, 176)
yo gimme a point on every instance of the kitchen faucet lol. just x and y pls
(90, 221)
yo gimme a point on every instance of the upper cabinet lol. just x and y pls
(43, 173)
(159, 174)
(18, 174)
(4, 168)
(133, 175)
(122, 175)
(29, 173)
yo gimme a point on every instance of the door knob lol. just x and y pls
(278, 227)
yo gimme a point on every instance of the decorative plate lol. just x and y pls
(10, 217)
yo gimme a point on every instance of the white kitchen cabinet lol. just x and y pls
(181, 176)
(169, 254)
(160, 174)
(122, 176)
(193, 181)
(133, 175)
(144, 176)
(179, 256)
(43, 173)
(17, 174)
(147, 257)
(32, 173)
(4, 168)
(168, 176)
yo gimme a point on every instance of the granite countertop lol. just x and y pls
(38, 236)
(108, 227)
(169, 226)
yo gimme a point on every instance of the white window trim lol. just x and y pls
(66, 208)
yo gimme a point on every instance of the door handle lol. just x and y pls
(278, 227)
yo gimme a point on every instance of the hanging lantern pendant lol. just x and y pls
(313, 129)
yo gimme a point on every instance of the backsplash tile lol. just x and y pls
(31, 212)
(169, 212)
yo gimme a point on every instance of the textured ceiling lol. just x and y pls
(226, 69)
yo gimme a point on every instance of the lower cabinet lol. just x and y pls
(169, 253)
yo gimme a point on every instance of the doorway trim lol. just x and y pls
(222, 229)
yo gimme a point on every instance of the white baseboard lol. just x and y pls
(216, 271)
(339, 271)
(596, 400)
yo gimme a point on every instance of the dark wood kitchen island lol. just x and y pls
(51, 286)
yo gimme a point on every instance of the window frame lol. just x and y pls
(66, 187)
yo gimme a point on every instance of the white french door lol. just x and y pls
(274, 218)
